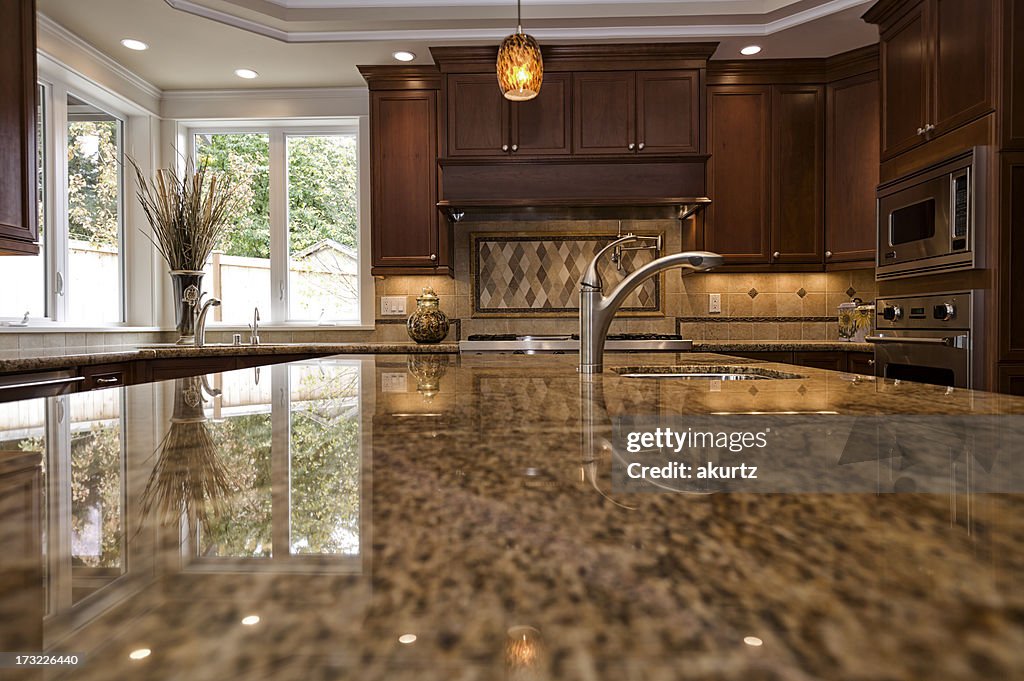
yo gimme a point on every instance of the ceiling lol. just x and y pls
(197, 44)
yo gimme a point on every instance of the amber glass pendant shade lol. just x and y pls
(520, 67)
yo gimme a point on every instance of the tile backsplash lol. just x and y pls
(754, 306)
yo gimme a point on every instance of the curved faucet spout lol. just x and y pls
(597, 310)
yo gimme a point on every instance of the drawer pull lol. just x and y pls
(108, 380)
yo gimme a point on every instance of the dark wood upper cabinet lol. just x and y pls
(852, 150)
(478, 116)
(625, 112)
(482, 123)
(962, 81)
(667, 112)
(403, 130)
(542, 126)
(739, 140)
(604, 113)
(19, 230)
(904, 54)
(937, 64)
(798, 173)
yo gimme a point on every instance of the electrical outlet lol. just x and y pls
(394, 382)
(714, 303)
(392, 305)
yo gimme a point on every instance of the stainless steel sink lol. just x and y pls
(706, 373)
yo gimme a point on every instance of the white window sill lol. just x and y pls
(55, 327)
(291, 327)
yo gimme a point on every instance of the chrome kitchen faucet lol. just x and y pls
(597, 310)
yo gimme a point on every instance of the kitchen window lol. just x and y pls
(78, 275)
(295, 251)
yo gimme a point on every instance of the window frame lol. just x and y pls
(56, 256)
(278, 132)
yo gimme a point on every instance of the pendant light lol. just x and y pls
(520, 66)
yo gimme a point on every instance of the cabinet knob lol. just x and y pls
(504, 147)
(929, 127)
(433, 256)
(776, 255)
(871, 362)
(515, 147)
(828, 254)
(632, 146)
(641, 146)
(920, 131)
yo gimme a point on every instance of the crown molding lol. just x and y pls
(47, 25)
(650, 32)
(269, 93)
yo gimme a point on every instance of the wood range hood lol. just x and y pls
(642, 188)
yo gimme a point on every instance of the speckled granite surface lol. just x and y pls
(16, 361)
(781, 346)
(484, 507)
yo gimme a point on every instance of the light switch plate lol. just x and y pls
(714, 303)
(394, 382)
(392, 305)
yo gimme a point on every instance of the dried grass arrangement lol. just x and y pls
(187, 213)
(189, 477)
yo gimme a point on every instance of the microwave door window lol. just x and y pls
(915, 222)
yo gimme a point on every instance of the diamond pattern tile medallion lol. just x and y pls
(801, 292)
(538, 274)
(851, 292)
(752, 293)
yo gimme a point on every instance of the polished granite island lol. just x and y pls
(445, 517)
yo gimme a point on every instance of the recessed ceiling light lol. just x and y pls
(750, 49)
(403, 55)
(140, 653)
(136, 45)
(753, 641)
(407, 638)
(251, 620)
(248, 74)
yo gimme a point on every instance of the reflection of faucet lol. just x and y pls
(254, 330)
(597, 310)
(200, 319)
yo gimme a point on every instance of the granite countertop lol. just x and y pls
(464, 505)
(42, 359)
(780, 346)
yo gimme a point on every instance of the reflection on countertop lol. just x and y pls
(440, 517)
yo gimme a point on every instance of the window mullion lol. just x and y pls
(58, 235)
(278, 227)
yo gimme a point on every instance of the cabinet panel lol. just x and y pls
(861, 363)
(737, 221)
(18, 228)
(852, 174)
(904, 50)
(404, 176)
(541, 126)
(963, 67)
(833, 361)
(798, 177)
(478, 123)
(668, 111)
(604, 111)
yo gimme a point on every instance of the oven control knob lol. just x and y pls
(892, 313)
(944, 312)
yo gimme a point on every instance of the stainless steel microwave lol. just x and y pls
(929, 221)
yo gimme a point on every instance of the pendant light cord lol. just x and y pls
(519, 16)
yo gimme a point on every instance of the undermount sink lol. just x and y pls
(164, 346)
(706, 373)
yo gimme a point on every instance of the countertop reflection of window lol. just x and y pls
(295, 498)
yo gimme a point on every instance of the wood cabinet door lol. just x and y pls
(905, 89)
(403, 129)
(860, 363)
(852, 151)
(542, 125)
(668, 112)
(604, 113)
(18, 200)
(798, 173)
(962, 78)
(478, 116)
(739, 125)
(833, 361)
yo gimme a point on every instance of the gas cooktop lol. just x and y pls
(533, 344)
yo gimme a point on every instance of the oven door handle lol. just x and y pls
(909, 340)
